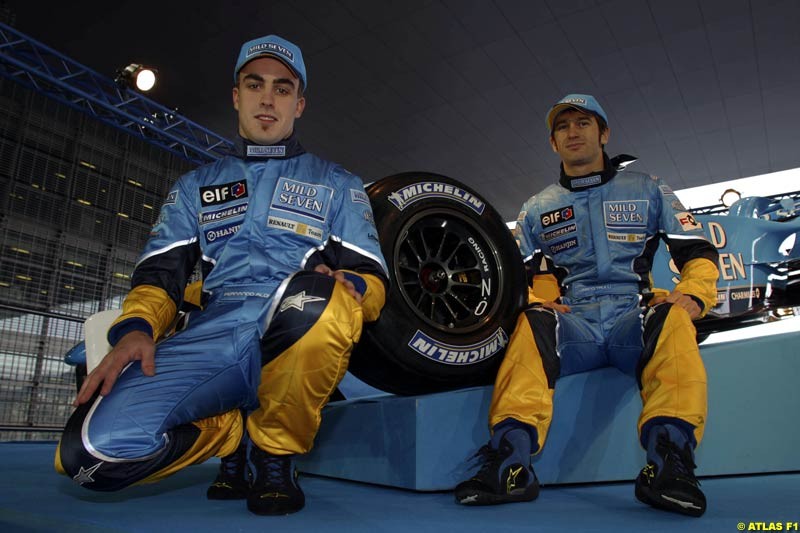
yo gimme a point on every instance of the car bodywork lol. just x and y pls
(759, 261)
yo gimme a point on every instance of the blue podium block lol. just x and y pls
(426, 442)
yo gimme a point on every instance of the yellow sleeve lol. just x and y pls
(699, 279)
(544, 288)
(151, 304)
(193, 293)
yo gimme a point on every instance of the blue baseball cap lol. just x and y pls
(272, 46)
(582, 102)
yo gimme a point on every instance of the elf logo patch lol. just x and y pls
(562, 214)
(219, 194)
(688, 222)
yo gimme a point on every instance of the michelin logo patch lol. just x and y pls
(557, 216)
(221, 214)
(295, 227)
(311, 200)
(558, 247)
(222, 232)
(450, 354)
(220, 194)
(560, 232)
(358, 196)
(626, 214)
(432, 189)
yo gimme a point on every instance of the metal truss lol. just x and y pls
(41, 68)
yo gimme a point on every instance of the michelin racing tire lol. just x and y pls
(458, 284)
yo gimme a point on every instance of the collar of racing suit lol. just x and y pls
(248, 150)
(593, 179)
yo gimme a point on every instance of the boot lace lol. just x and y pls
(678, 461)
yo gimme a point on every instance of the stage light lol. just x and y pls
(729, 197)
(137, 76)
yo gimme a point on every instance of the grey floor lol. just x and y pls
(34, 498)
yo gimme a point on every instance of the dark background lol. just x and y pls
(701, 90)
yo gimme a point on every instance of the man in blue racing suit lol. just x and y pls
(291, 268)
(596, 232)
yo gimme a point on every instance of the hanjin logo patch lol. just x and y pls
(221, 233)
(562, 214)
(219, 194)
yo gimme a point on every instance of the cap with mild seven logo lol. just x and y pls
(581, 102)
(273, 46)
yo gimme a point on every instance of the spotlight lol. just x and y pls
(729, 197)
(138, 76)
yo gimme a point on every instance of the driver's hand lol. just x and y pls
(134, 346)
(681, 300)
(338, 275)
(561, 308)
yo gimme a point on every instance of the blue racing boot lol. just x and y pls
(506, 474)
(667, 481)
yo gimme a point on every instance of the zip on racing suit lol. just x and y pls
(272, 334)
(597, 235)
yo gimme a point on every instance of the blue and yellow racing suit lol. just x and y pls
(272, 337)
(597, 235)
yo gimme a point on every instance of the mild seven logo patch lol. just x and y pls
(311, 200)
(432, 189)
(626, 214)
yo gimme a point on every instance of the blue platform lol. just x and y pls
(425, 442)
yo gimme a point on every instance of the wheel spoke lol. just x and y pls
(440, 272)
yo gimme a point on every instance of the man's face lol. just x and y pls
(577, 139)
(268, 101)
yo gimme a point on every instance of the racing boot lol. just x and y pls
(667, 481)
(505, 475)
(233, 479)
(275, 490)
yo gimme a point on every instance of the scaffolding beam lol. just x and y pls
(42, 69)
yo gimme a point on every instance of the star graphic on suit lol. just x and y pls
(298, 301)
(84, 475)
